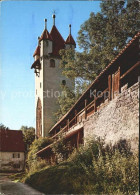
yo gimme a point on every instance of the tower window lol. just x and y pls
(36, 91)
(40, 85)
(63, 82)
(52, 63)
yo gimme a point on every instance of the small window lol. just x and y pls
(18, 155)
(16, 166)
(63, 82)
(52, 63)
(40, 85)
(36, 91)
(13, 155)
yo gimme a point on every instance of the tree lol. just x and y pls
(65, 101)
(3, 127)
(101, 38)
(28, 135)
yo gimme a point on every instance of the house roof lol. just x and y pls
(11, 141)
(37, 51)
(70, 40)
(58, 41)
(45, 35)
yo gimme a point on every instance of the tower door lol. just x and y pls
(39, 118)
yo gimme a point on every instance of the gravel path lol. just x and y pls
(8, 187)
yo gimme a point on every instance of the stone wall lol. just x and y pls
(119, 119)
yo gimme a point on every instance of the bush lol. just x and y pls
(37, 145)
(93, 169)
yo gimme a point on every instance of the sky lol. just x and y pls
(21, 22)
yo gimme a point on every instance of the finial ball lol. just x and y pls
(45, 20)
(53, 15)
(70, 25)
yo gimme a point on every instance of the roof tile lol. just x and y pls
(58, 41)
(11, 141)
(45, 35)
(70, 40)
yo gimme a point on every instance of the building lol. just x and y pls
(48, 76)
(108, 109)
(12, 150)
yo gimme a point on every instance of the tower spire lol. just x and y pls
(45, 24)
(70, 29)
(54, 19)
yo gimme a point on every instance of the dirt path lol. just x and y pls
(8, 187)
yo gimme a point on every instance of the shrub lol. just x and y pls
(37, 145)
(93, 169)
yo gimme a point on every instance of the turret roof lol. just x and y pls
(58, 41)
(70, 40)
(37, 51)
(45, 35)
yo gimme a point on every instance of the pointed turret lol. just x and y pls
(45, 35)
(46, 42)
(70, 43)
(58, 41)
(36, 54)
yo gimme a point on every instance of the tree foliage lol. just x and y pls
(101, 38)
(3, 127)
(28, 135)
(36, 145)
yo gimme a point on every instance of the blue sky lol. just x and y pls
(21, 23)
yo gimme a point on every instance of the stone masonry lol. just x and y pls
(119, 119)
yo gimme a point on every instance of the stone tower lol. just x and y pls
(48, 76)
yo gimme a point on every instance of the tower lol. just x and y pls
(48, 76)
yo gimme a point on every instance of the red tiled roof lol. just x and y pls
(37, 51)
(11, 141)
(45, 35)
(36, 63)
(70, 40)
(58, 41)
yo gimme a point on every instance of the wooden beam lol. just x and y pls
(75, 116)
(127, 72)
(78, 136)
(68, 123)
(109, 87)
(85, 108)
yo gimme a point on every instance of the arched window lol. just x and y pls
(52, 63)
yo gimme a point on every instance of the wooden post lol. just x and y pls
(78, 136)
(85, 108)
(112, 86)
(95, 108)
(109, 87)
(75, 116)
(95, 100)
(119, 87)
(68, 123)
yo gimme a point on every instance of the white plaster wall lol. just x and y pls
(7, 161)
(67, 46)
(50, 79)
